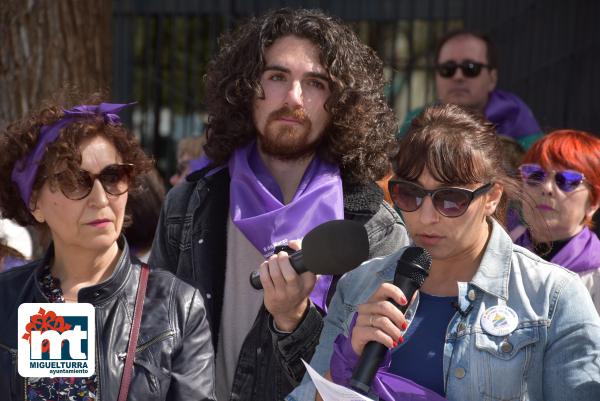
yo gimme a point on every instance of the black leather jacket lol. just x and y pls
(174, 357)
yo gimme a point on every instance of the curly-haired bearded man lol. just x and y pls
(298, 132)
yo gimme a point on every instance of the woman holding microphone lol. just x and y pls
(492, 321)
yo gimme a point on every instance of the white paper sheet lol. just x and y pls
(330, 391)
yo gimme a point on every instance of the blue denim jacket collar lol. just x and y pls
(494, 270)
(493, 274)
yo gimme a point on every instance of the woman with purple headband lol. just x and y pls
(71, 170)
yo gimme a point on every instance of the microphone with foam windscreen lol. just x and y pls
(334, 247)
(411, 271)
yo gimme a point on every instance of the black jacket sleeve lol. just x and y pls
(192, 369)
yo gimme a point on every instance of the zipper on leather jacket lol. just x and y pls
(152, 381)
(153, 341)
(148, 344)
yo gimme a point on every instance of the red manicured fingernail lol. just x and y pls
(404, 325)
(404, 301)
(395, 344)
(401, 340)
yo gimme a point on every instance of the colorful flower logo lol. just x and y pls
(44, 321)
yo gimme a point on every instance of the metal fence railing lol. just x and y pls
(160, 52)
(549, 55)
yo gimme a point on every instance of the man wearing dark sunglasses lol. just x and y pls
(466, 74)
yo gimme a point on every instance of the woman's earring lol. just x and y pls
(37, 215)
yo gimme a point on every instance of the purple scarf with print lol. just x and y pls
(580, 254)
(257, 209)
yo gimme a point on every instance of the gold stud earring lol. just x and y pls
(38, 217)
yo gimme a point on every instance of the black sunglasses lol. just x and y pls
(470, 69)
(448, 201)
(114, 178)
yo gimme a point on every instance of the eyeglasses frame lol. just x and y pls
(551, 173)
(471, 194)
(96, 177)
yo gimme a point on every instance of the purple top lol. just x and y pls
(581, 254)
(9, 262)
(511, 115)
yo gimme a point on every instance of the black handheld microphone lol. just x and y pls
(411, 271)
(334, 247)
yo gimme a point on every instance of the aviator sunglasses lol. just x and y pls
(114, 178)
(470, 69)
(448, 201)
(566, 180)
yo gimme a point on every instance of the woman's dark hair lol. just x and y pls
(19, 139)
(457, 147)
(360, 136)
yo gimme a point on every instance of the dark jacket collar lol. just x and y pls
(362, 198)
(94, 294)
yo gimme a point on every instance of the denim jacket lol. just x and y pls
(191, 242)
(553, 354)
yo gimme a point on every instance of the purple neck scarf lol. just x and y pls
(511, 115)
(25, 170)
(257, 209)
(580, 254)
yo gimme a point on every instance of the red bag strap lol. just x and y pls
(133, 334)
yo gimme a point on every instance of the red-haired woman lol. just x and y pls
(561, 173)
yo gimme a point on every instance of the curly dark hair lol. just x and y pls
(20, 138)
(360, 138)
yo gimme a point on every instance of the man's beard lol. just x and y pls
(288, 142)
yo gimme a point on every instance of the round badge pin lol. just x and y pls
(499, 320)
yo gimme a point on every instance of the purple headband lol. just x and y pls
(25, 170)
